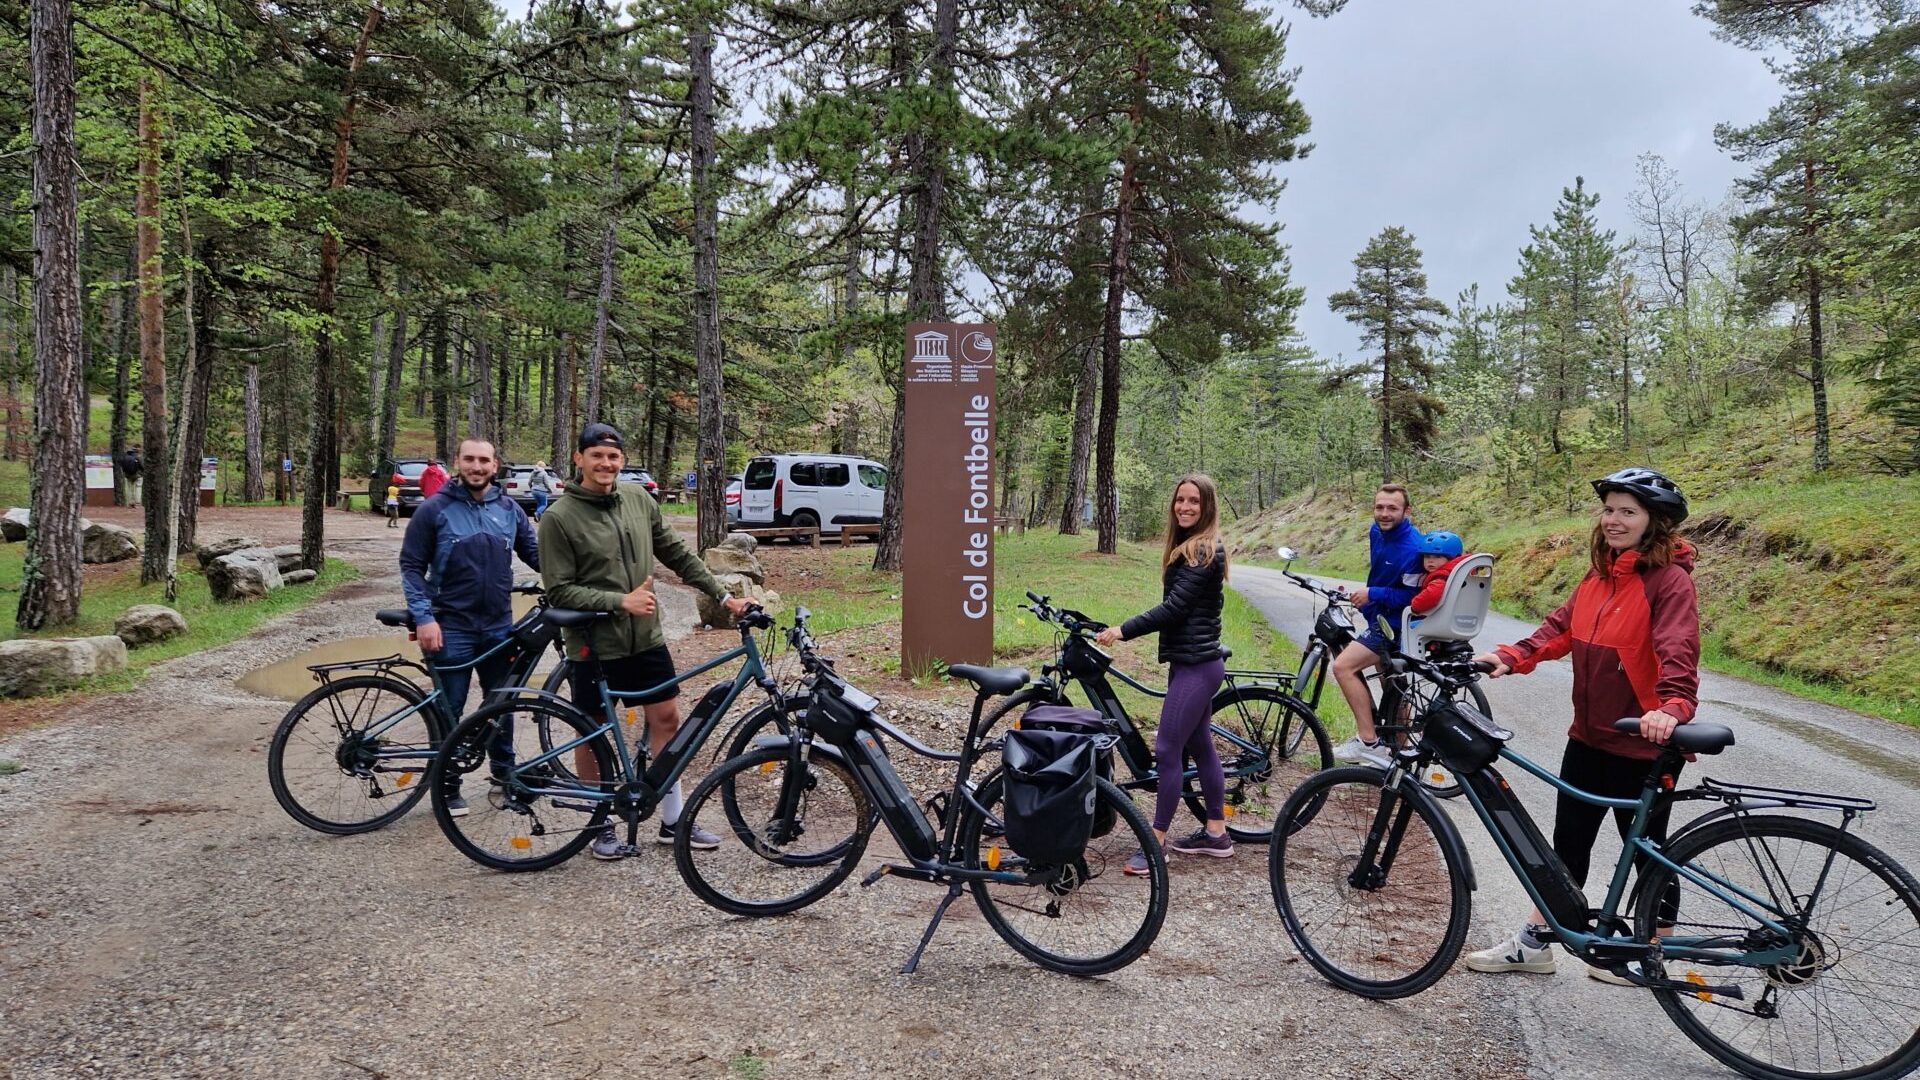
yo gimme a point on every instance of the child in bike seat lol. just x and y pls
(1440, 552)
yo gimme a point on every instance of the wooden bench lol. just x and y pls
(809, 533)
(344, 499)
(1015, 522)
(848, 532)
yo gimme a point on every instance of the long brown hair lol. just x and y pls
(1656, 548)
(1199, 544)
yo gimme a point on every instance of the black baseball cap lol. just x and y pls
(597, 434)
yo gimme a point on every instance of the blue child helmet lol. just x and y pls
(1442, 543)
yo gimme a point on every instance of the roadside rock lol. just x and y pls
(299, 577)
(30, 666)
(724, 559)
(717, 616)
(144, 624)
(13, 525)
(104, 543)
(245, 574)
(740, 541)
(289, 557)
(208, 552)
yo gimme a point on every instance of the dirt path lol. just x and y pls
(163, 918)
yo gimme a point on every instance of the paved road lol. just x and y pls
(1576, 1027)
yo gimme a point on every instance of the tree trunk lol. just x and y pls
(50, 575)
(379, 359)
(503, 366)
(320, 441)
(480, 387)
(187, 492)
(196, 394)
(156, 480)
(1085, 396)
(597, 360)
(253, 481)
(1106, 511)
(711, 446)
(926, 293)
(441, 381)
(390, 400)
(122, 380)
(282, 432)
(10, 341)
(1816, 342)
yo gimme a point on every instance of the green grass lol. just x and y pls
(208, 624)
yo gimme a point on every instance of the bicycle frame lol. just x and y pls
(436, 697)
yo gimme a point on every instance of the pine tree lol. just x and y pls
(1389, 303)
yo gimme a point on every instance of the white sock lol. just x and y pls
(670, 806)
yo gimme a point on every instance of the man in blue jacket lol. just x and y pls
(456, 566)
(1393, 576)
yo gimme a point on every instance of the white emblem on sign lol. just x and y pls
(930, 345)
(976, 348)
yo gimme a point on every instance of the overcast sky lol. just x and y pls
(1461, 120)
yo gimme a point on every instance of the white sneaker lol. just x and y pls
(1511, 955)
(1356, 752)
(1603, 975)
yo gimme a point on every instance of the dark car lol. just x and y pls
(406, 474)
(632, 475)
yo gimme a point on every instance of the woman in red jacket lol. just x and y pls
(1633, 630)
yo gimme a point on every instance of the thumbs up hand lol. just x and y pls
(641, 601)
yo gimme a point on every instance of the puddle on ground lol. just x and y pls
(289, 679)
(1892, 766)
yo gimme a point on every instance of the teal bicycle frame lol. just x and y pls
(1620, 946)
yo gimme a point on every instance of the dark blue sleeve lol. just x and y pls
(416, 557)
(525, 543)
(1405, 561)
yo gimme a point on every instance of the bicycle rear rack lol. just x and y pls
(382, 665)
(1753, 797)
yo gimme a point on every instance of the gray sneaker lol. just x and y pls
(456, 805)
(1356, 752)
(701, 840)
(607, 846)
(1202, 842)
(1138, 865)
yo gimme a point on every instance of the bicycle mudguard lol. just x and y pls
(820, 749)
(1449, 833)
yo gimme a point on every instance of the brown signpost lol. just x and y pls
(947, 533)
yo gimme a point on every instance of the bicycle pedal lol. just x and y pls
(883, 871)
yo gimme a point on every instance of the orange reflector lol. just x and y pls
(405, 779)
(993, 857)
(1228, 810)
(1698, 979)
(1439, 777)
(520, 843)
(633, 716)
(769, 766)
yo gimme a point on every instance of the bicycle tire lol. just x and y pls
(558, 683)
(757, 847)
(1257, 788)
(510, 812)
(366, 771)
(1321, 855)
(1100, 867)
(1828, 961)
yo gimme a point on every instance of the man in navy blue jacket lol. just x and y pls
(456, 566)
(1393, 576)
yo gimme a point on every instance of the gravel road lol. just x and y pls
(163, 918)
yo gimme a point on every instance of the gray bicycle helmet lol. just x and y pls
(1657, 493)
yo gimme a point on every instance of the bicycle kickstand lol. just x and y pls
(953, 893)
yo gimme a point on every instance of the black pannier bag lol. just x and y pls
(1080, 721)
(1463, 738)
(1050, 795)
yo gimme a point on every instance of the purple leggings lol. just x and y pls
(1184, 732)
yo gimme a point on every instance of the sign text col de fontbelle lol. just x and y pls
(947, 496)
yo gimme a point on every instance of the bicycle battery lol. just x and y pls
(897, 804)
(1563, 898)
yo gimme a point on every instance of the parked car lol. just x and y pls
(635, 475)
(406, 473)
(825, 491)
(733, 499)
(518, 480)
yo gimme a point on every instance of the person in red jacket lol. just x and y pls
(432, 479)
(1440, 552)
(1633, 631)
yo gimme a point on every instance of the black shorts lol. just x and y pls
(640, 671)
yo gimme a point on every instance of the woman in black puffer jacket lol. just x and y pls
(1193, 578)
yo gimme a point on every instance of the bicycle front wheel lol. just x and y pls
(1369, 887)
(787, 837)
(1086, 919)
(523, 813)
(352, 755)
(1268, 743)
(1846, 1004)
(1434, 774)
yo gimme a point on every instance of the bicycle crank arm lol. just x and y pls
(1704, 990)
(911, 873)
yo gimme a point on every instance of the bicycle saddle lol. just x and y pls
(992, 680)
(1694, 738)
(1226, 653)
(394, 617)
(567, 619)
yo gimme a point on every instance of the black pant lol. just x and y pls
(1576, 825)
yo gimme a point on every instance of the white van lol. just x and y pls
(812, 490)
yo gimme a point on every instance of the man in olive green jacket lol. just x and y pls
(605, 539)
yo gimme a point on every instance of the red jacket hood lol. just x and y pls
(1629, 561)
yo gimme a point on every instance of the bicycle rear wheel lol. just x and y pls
(786, 839)
(532, 816)
(1367, 884)
(352, 755)
(1086, 919)
(1848, 1003)
(1260, 778)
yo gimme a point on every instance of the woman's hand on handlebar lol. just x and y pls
(1107, 636)
(1496, 666)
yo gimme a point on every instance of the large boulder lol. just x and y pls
(104, 543)
(30, 666)
(299, 577)
(208, 552)
(13, 524)
(144, 624)
(715, 614)
(289, 558)
(741, 541)
(246, 574)
(724, 559)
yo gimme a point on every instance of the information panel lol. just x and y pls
(946, 554)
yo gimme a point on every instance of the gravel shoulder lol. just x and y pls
(163, 918)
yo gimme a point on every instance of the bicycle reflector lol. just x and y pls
(993, 857)
(520, 843)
